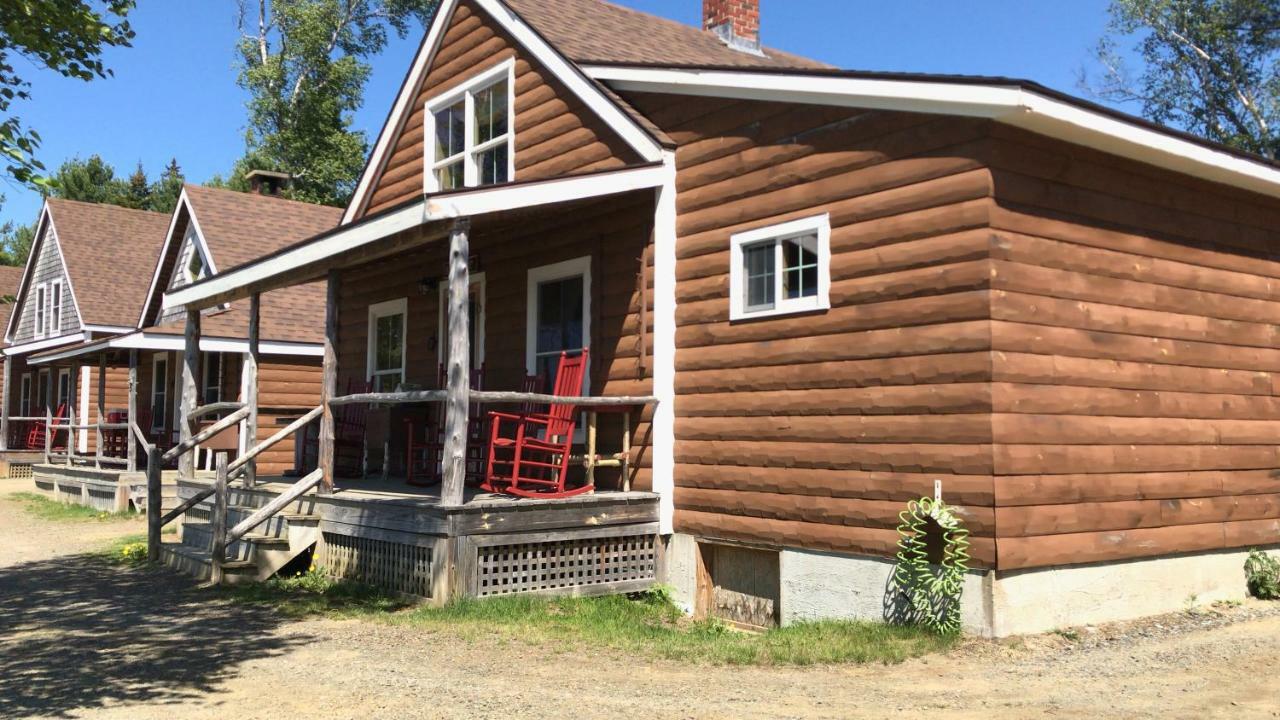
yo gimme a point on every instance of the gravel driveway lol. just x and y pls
(81, 639)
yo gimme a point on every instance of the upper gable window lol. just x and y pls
(42, 297)
(195, 268)
(471, 129)
(55, 307)
(780, 269)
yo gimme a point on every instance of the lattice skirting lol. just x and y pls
(569, 566)
(19, 470)
(392, 566)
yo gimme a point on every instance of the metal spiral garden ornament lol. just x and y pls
(932, 591)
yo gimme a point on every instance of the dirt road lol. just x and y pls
(81, 639)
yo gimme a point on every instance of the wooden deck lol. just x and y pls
(400, 537)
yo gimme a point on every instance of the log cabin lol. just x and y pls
(209, 228)
(817, 294)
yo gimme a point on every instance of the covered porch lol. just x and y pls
(435, 317)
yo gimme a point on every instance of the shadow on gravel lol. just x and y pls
(77, 632)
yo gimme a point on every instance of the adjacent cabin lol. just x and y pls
(209, 229)
(803, 297)
(72, 291)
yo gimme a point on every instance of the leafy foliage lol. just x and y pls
(303, 63)
(65, 36)
(15, 242)
(94, 180)
(1209, 66)
(1262, 575)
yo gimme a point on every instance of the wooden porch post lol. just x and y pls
(154, 500)
(329, 384)
(73, 397)
(102, 408)
(4, 403)
(249, 381)
(455, 438)
(130, 441)
(48, 412)
(190, 371)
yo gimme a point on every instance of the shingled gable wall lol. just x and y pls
(48, 267)
(556, 135)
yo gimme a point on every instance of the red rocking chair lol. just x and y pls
(532, 459)
(35, 437)
(426, 455)
(348, 433)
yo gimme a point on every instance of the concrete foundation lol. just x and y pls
(820, 585)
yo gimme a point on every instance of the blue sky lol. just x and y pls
(174, 91)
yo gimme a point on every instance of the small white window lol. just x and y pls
(195, 266)
(470, 132)
(387, 344)
(55, 307)
(781, 269)
(24, 397)
(159, 389)
(211, 387)
(42, 297)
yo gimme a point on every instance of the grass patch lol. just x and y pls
(646, 624)
(46, 509)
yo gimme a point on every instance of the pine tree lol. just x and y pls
(166, 189)
(137, 191)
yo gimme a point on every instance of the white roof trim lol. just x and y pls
(1009, 104)
(563, 70)
(478, 201)
(160, 341)
(19, 298)
(45, 344)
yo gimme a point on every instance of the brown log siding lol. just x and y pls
(556, 134)
(813, 430)
(615, 233)
(1135, 328)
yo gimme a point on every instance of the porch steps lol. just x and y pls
(255, 557)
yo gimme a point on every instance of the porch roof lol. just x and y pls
(169, 337)
(432, 216)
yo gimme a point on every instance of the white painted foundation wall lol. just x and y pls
(819, 585)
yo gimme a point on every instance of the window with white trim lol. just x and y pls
(781, 269)
(195, 265)
(24, 396)
(159, 389)
(211, 385)
(385, 363)
(558, 307)
(63, 396)
(42, 297)
(471, 132)
(55, 307)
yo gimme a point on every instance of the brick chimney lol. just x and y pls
(267, 182)
(737, 22)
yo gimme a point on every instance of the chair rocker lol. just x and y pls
(529, 451)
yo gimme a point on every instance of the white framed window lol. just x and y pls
(195, 265)
(42, 298)
(63, 396)
(781, 269)
(159, 389)
(470, 132)
(24, 396)
(475, 310)
(211, 378)
(558, 316)
(55, 307)
(385, 362)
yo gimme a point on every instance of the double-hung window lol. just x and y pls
(471, 131)
(55, 307)
(212, 385)
(159, 390)
(780, 269)
(387, 344)
(24, 397)
(42, 298)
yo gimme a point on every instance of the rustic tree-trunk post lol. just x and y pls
(48, 433)
(329, 384)
(250, 384)
(190, 373)
(154, 500)
(4, 403)
(131, 443)
(218, 553)
(102, 409)
(455, 439)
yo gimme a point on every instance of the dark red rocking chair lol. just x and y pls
(425, 454)
(529, 452)
(348, 433)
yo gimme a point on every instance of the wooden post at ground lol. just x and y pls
(154, 500)
(48, 433)
(329, 384)
(130, 441)
(459, 367)
(218, 523)
(70, 438)
(249, 381)
(4, 403)
(190, 375)
(102, 409)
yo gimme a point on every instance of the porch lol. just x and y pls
(567, 290)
